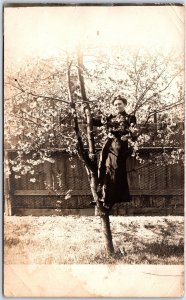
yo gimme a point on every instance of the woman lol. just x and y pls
(112, 175)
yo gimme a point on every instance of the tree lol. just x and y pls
(50, 104)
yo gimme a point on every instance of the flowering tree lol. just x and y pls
(50, 104)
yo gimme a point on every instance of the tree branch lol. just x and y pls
(24, 118)
(90, 136)
(81, 151)
(169, 82)
(150, 114)
(37, 95)
(159, 91)
(138, 104)
(137, 75)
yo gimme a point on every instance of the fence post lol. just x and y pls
(8, 201)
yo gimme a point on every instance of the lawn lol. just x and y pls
(79, 240)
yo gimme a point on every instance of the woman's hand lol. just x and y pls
(124, 137)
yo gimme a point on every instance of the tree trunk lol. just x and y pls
(104, 215)
(93, 174)
(156, 121)
(107, 233)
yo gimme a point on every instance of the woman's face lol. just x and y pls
(119, 106)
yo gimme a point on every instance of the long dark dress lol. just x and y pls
(112, 175)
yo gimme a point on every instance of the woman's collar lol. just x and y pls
(123, 113)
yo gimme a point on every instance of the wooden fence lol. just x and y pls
(155, 190)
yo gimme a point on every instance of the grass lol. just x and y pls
(79, 240)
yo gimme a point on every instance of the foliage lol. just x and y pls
(39, 118)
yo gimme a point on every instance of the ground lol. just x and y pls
(73, 239)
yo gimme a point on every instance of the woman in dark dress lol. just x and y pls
(112, 174)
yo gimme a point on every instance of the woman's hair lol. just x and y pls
(119, 97)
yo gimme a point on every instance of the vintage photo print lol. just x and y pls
(93, 150)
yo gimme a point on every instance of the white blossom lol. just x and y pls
(32, 180)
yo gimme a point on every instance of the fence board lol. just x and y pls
(55, 212)
(48, 192)
(166, 192)
(91, 212)
(158, 188)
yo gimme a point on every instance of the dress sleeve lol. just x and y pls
(132, 120)
(98, 122)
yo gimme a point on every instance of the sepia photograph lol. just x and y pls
(93, 150)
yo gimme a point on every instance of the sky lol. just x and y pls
(45, 31)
